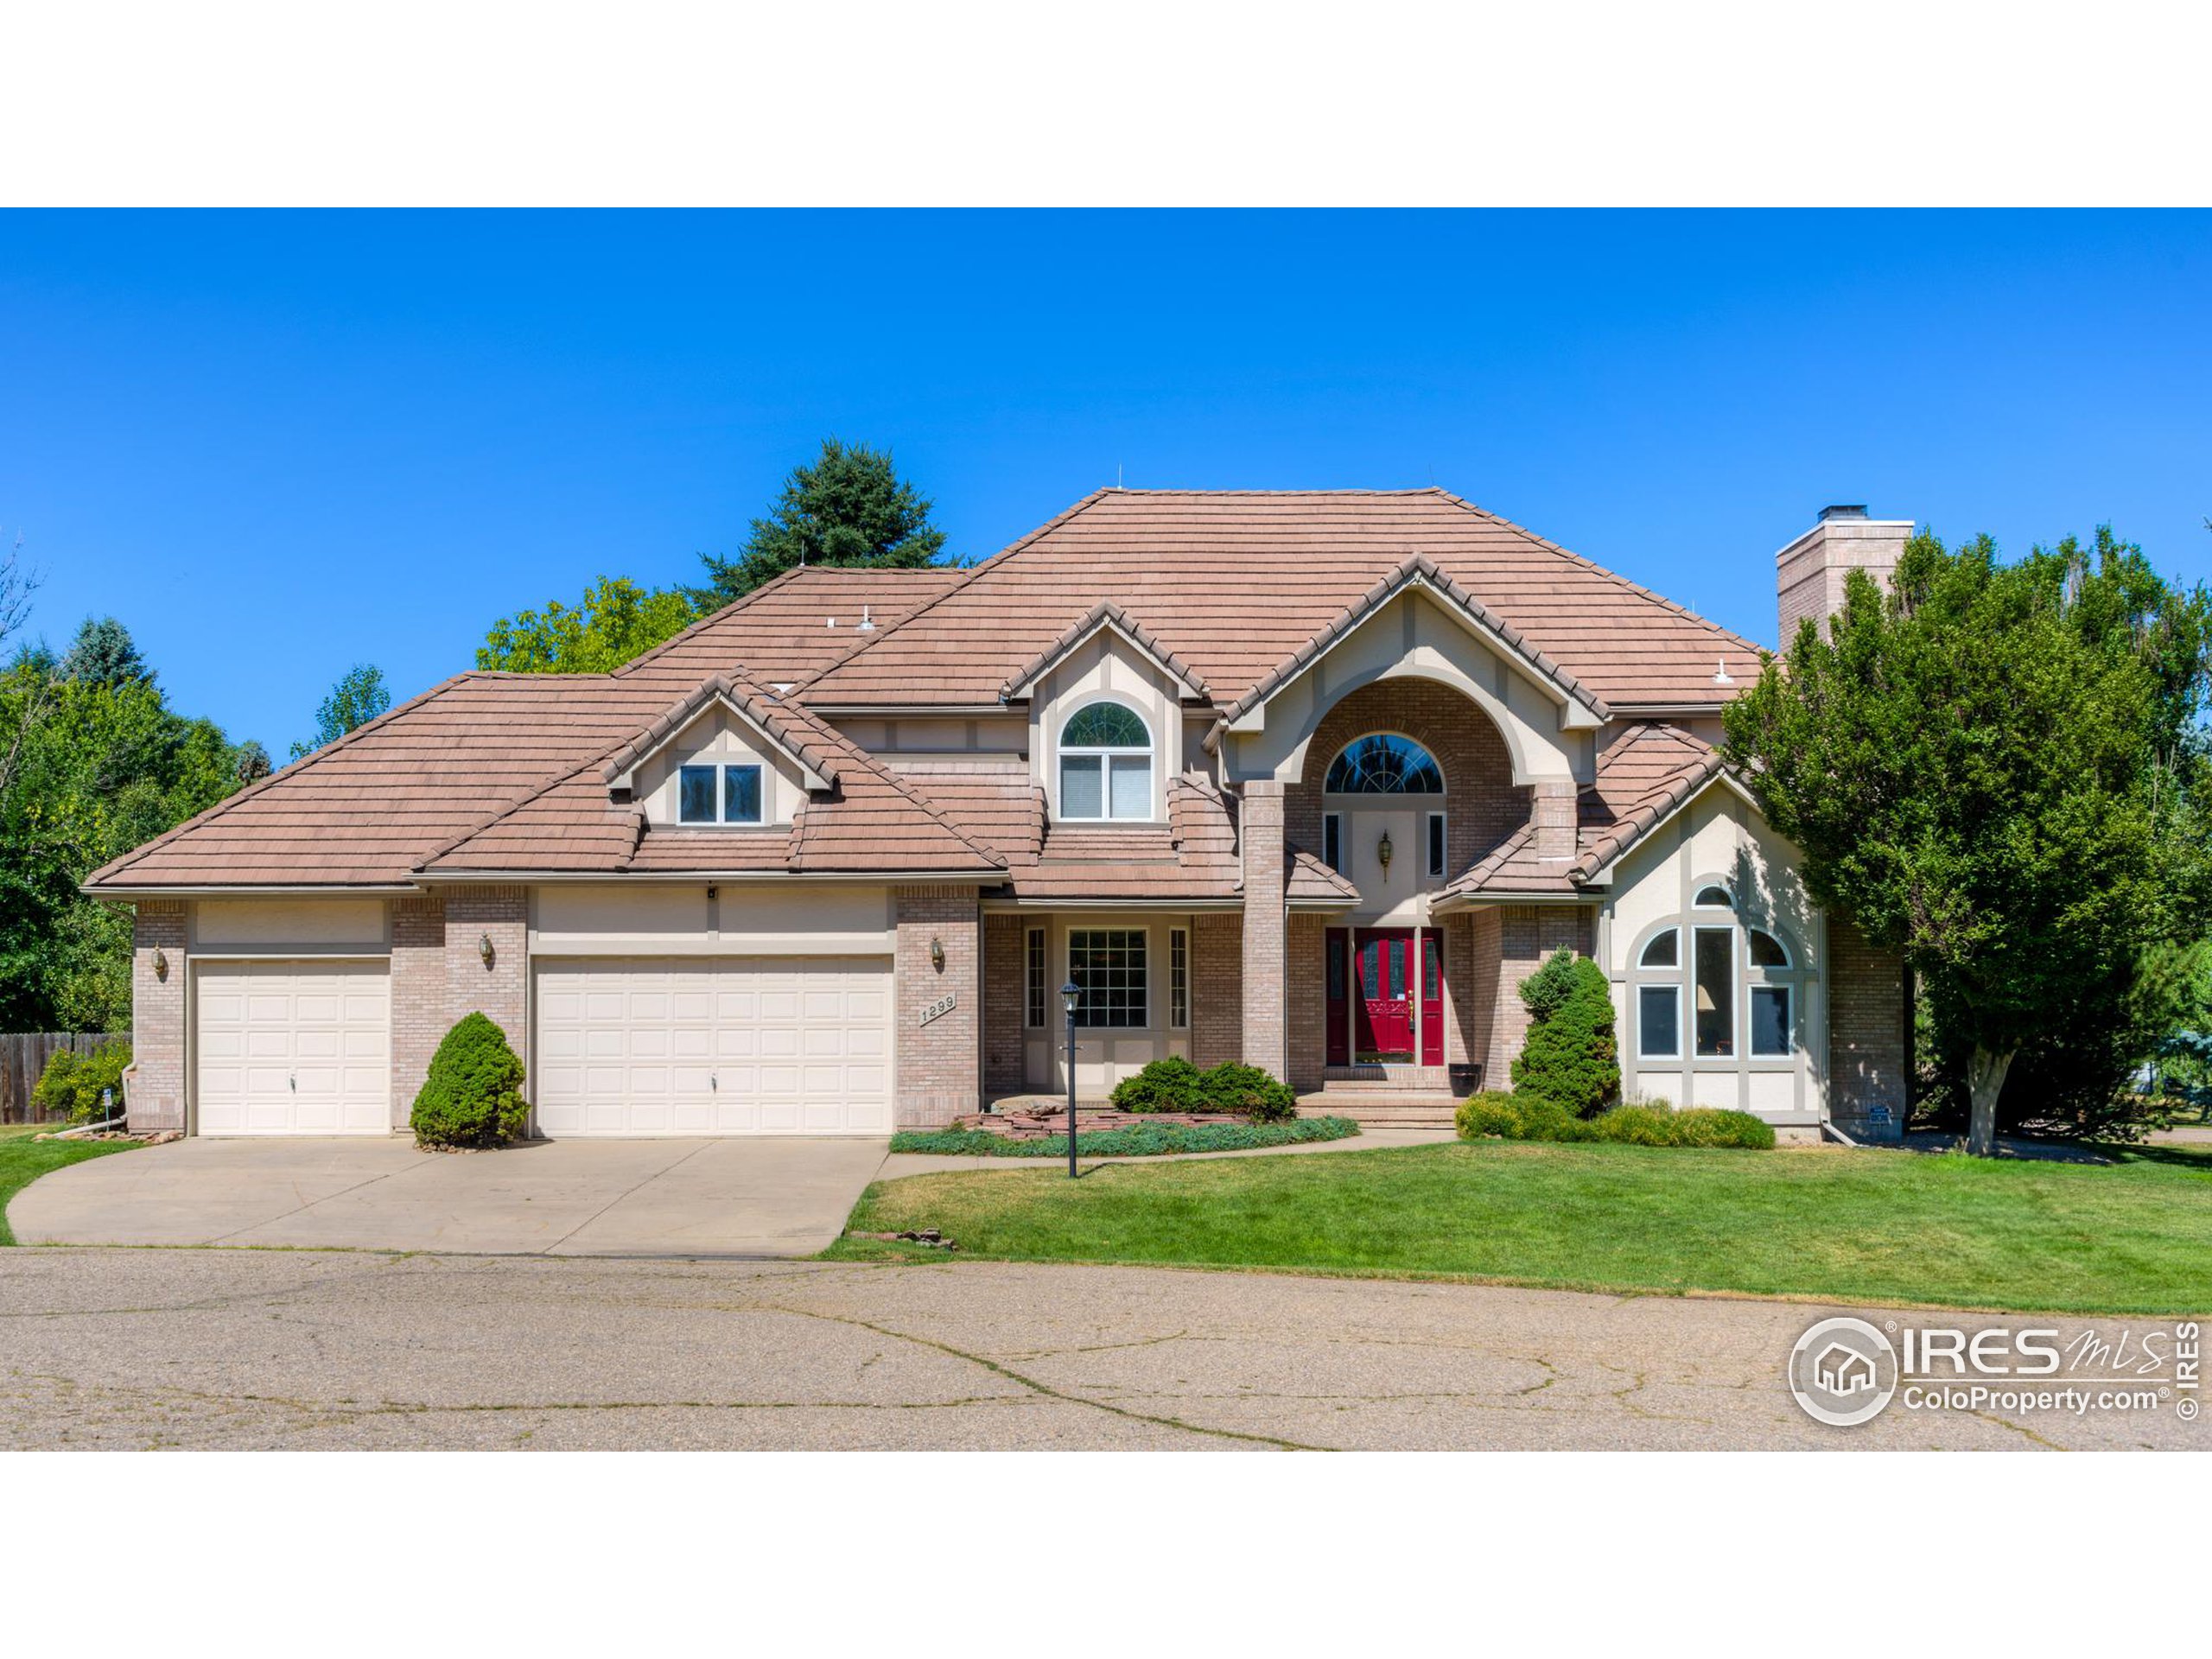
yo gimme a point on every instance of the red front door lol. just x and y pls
(1384, 1001)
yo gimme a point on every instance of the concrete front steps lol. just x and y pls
(1379, 1107)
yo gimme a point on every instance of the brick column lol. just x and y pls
(1552, 809)
(153, 1093)
(1307, 994)
(418, 996)
(1005, 987)
(1869, 1035)
(1217, 988)
(1261, 838)
(500, 987)
(939, 1065)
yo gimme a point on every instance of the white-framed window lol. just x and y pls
(1712, 982)
(718, 794)
(1035, 993)
(1659, 1021)
(1105, 764)
(1108, 967)
(1179, 978)
(1436, 844)
(1332, 841)
(1693, 982)
(1714, 897)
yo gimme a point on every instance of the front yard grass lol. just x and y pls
(2134, 1235)
(22, 1159)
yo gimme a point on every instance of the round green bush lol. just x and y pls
(70, 1085)
(1170, 1085)
(1639, 1126)
(472, 1096)
(1569, 1056)
(1486, 1115)
(1707, 1126)
(1248, 1091)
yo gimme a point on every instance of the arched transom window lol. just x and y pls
(1105, 764)
(1383, 763)
(1726, 988)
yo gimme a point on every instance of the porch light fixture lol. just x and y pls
(1068, 992)
(484, 948)
(936, 954)
(1382, 851)
(161, 964)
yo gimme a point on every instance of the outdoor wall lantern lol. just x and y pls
(161, 965)
(1382, 851)
(936, 955)
(484, 948)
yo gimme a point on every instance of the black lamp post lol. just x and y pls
(1068, 995)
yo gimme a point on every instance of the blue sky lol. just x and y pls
(275, 444)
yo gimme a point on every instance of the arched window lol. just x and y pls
(1105, 764)
(1727, 1000)
(1384, 764)
(1713, 899)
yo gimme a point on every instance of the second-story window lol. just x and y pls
(707, 794)
(1105, 764)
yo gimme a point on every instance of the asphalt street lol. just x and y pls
(247, 1348)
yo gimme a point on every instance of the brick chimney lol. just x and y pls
(1809, 572)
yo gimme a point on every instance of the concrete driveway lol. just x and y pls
(739, 1197)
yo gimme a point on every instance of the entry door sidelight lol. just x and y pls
(1336, 964)
(1386, 1033)
(1432, 996)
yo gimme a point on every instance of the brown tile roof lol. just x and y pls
(779, 631)
(1642, 776)
(868, 821)
(762, 710)
(1101, 614)
(1418, 571)
(465, 755)
(1234, 583)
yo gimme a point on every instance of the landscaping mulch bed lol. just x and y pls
(1023, 1125)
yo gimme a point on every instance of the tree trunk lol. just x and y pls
(1986, 1080)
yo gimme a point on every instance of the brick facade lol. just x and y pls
(1217, 988)
(1526, 935)
(499, 988)
(155, 1093)
(1870, 1034)
(1006, 984)
(1482, 805)
(419, 1018)
(1265, 926)
(939, 1065)
(1308, 998)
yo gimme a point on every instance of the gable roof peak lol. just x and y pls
(1105, 614)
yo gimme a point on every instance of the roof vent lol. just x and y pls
(1720, 675)
(1857, 510)
(867, 622)
(828, 621)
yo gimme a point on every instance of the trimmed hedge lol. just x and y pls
(472, 1095)
(71, 1083)
(1143, 1141)
(1649, 1123)
(1569, 1056)
(1175, 1085)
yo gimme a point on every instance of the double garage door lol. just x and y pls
(293, 1048)
(752, 1045)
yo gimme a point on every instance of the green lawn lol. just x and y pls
(2134, 1236)
(22, 1160)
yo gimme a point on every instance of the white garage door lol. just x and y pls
(757, 1045)
(294, 1048)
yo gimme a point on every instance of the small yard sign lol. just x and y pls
(939, 1008)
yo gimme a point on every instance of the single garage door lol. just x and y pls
(294, 1048)
(752, 1045)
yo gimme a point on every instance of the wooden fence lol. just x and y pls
(24, 1055)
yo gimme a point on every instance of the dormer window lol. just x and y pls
(718, 795)
(1105, 764)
